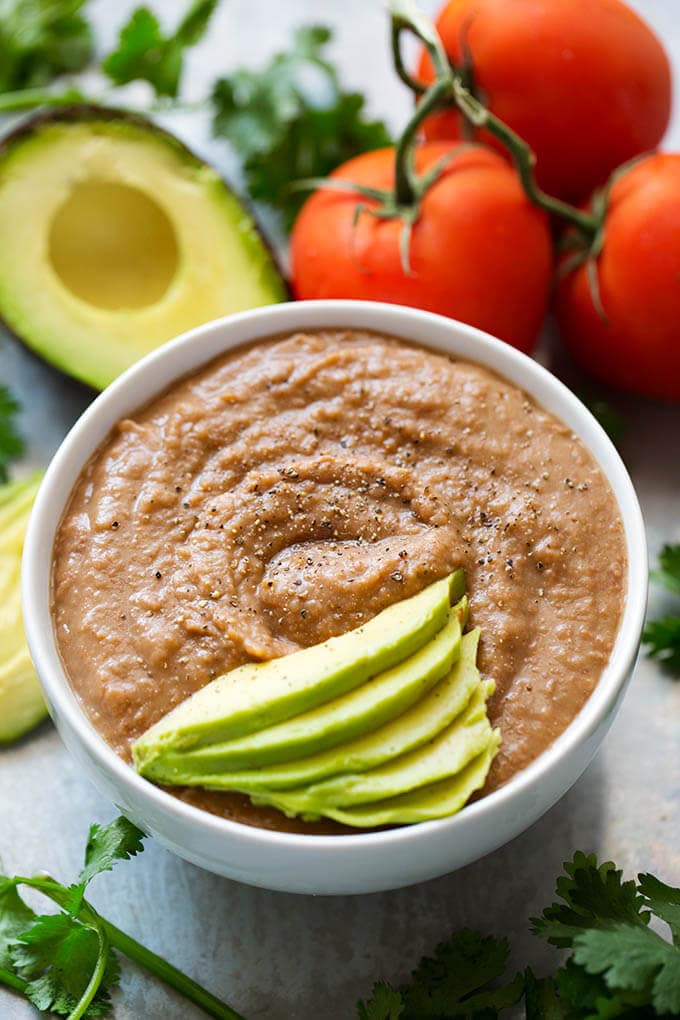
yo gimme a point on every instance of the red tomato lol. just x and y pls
(585, 82)
(638, 347)
(479, 251)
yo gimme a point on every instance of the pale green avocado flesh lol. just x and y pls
(21, 702)
(444, 756)
(376, 701)
(389, 724)
(259, 695)
(415, 727)
(426, 803)
(116, 238)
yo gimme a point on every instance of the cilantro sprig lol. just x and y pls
(41, 39)
(66, 963)
(618, 966)
(11, 442)
(663, 635)
(145, 54)
(292, 120)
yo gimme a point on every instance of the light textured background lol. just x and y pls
(282, 956)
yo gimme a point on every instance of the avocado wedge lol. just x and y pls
(426, 803)
(443, 757)
(117, 238)
(379, 699)
(421, 723)
(21, 702)
(258, 695)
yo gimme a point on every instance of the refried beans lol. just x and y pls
(291, 490)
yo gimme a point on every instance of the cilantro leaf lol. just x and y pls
(292, 120)
(11, 443)
(668, 571)
(594, 897)
(455, 982)
(663, 635)
(118, 841)
(611, 420)
(41, 39)
(663, 638)
(58, 955)
(633, 957)
(144, 53)
(542, 999)
(663, 901)
(386, 1003)
(15, 917)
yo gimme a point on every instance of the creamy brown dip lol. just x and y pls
(291, 490)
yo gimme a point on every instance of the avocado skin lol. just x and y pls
(83, 113)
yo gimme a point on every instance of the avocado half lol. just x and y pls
(115, 238)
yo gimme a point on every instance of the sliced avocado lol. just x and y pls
(382, 698)
(117, 238)
(426, 803)
(260, 694)
(21, 701)
(421, 723)
(444, 756)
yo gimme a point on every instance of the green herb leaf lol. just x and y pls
(292, 120)
(663, 637)
(41, 39)
(611, 420)
(11, 443)
(631, 957)
(118, 841)
(58, 955)
(386, 1003)
(594, 897)
(144, 53)
(457, 980)
(663, 901)
(542, 999)
(668, 571)
(15, 917)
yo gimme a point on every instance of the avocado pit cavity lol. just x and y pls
(113, 246)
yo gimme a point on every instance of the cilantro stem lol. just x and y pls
(136, 952)
(169, 974)
(97, 976)
(10, 979)
(28, 99)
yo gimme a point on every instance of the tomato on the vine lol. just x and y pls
(585, 82)
(479, 251)
(633, 340)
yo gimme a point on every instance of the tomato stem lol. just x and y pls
(450, 86)
(408, 189)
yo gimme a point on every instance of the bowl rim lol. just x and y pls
(208, 340)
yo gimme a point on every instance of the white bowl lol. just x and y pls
(365, 862)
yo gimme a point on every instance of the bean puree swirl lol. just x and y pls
(291, 490)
